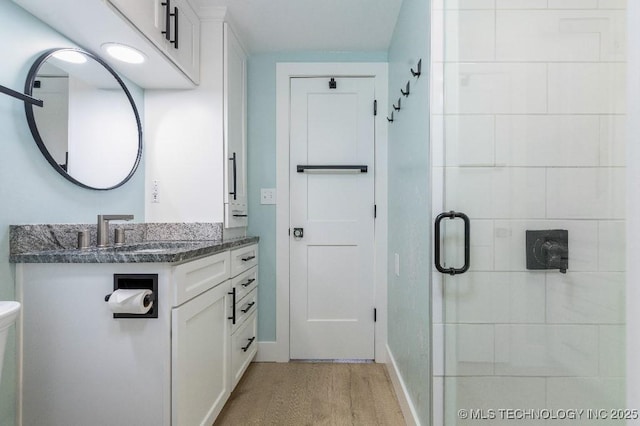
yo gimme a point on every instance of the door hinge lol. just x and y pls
(375, 211)
(375, 107)
(375, 315)
(289, 231)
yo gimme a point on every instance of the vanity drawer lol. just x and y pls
(244, 308)
(243, 258)
(245, 282)
(193, 278)
(243, 348)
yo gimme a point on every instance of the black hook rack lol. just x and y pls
(407, 91)
(390, 120)
(21, 96)
(419, 71)
(397, 108)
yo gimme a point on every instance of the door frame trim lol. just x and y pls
(279, 349)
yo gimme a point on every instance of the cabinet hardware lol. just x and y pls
(233, 304)
(332, 83)
(240, 215)
(467, 249)
(375, 107)
(245, 348)
(175, 28)
(246, 259)
(167, 20)
(234, 192)
(248, 283)
(249, 306)
(375, 315)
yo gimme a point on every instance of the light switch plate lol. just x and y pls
(267, 195)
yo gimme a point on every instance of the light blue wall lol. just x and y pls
(409, 206)
(261, 142)
(30, 190)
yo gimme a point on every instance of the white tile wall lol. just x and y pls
(495, 88)
(469, 35)
(470, 140)
(547, 140)
(586, 193)
(487, 192)
(585, 298)
(587, 88)
(534, 104)
(546, 350)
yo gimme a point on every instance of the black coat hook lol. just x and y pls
(332, 83)
(406, 91)
(417, 73)
(390, 120)
(397, 108)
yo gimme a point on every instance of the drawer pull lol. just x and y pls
(245, 348)
(246, 259)
(245, 310)
(248, 283)
(233, 304)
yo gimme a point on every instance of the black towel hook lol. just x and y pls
(390, 120)
(417, 73)
(397, 108)
(406, 92)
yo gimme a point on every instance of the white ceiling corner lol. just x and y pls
(307, 25)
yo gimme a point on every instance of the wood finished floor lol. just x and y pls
(301, 393)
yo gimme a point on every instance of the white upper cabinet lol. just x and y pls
(171, 25)
(235, 137)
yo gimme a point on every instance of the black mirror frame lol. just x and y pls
(28, 89)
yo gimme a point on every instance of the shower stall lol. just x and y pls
(528, 130)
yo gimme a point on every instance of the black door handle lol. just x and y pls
(247, 308)
(233, 303)
(248, 283)
(467, 247)
(245, 348)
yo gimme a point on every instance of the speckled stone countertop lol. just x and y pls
(147, 242)
(145, 252)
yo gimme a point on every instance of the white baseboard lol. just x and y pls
(408, 410)
(269, 352)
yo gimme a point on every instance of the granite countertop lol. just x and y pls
(141, 252)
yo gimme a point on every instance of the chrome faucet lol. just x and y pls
(103, 226)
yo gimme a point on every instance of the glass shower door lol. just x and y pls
(528, 104)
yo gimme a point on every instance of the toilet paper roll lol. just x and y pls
(125, 301)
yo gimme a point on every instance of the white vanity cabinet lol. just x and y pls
(235, 139)
(200, 340)
(244, 325)
(80, 365)
(171, 25)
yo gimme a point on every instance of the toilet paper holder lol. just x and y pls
(137, 282)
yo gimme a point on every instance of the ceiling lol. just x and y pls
(310, 25)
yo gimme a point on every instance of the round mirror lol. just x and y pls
(88, 128)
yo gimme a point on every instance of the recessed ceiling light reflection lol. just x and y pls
(70, 56)
(123, 53)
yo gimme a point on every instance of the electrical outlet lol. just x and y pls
(267, 196)
(155, 193)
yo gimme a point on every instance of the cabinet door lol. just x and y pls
(200, 357)
(235, 119)
(185, 35)
(148, 16)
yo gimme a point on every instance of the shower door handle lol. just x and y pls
(467, 250)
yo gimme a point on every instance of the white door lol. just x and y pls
(331, 265)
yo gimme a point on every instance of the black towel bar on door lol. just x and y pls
(332, 169)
